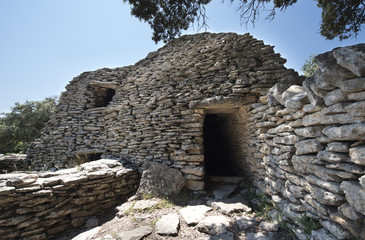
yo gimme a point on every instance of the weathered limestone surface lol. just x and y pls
(160, 180)
(45, 204)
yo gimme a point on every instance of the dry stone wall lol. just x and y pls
(311, 141)
(44, 205)
(157, 106)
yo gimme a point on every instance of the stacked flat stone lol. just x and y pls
(157, 112)
(312, 137)
(45, 205)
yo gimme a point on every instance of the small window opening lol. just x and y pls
(218, 150)
(84, 158)
(103, 96)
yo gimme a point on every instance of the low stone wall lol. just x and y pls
(311, 143)
(13, 162)
(42, 205)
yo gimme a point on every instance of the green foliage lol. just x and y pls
(184, 197)
(167, 18)
(341, 18)
(309, 66)
(24, 124)
(308, 224)
(264, 205)
(153, 223)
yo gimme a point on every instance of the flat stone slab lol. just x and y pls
(168, 225)
(229, 208)
(88, 234)
(136, 234)
(214, 225)
(223, 191)
(124, 208)
(144, 204)
(193, 214)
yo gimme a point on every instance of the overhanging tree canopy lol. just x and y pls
(167, 18)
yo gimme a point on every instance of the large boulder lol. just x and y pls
(277, 90)
(294, 97)
(330, 71)
(355, 195)
(352, 58)
(352, 132)
(160, 180)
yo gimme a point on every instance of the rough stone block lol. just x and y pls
(349, 212)
(193, 214)
(337, 147)
(277, 91)
(357, 96)
(294, 97)
(352, 132)
(309, 132)
(355, 195)
(287, 140)
(168, 225)
(353, 85)
(332, 157)
(351, 58)
(335, 96)
(357, 155)
(214, 225)
(312, 119)
(329, 185)
(308, 146)
(330, 71)
(330, 174)
(326, 197)
(335, 229)
(301, 163)
(159, 179)
(314, 206)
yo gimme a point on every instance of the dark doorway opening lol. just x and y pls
(218, 146)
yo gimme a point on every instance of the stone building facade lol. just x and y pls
(155, 110)
(224, 104)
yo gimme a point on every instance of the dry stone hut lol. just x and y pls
(186, 105)
(224, 104)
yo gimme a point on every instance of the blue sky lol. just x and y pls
(44, 44)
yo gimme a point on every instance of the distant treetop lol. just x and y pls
(167, 18)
